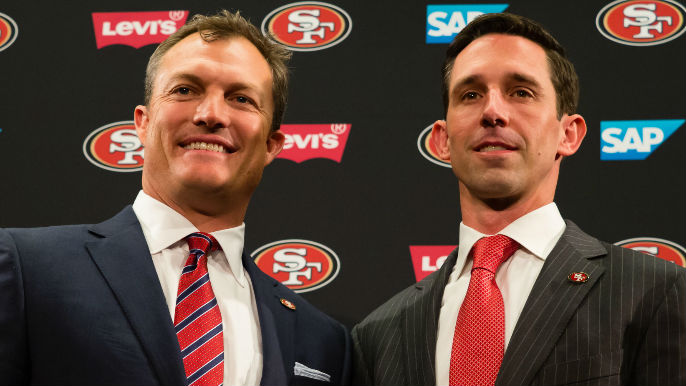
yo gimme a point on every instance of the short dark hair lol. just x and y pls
(562, 73)
(225, 25)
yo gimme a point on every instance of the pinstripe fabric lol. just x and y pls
(625, 326)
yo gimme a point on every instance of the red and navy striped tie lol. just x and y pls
(197, 319)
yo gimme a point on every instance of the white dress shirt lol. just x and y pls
(164, 230)
(537, 232)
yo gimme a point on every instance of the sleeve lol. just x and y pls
(360, 373)
(661, 359)
(13, 341)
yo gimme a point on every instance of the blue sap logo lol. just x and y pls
(634, 140)
(444, 21)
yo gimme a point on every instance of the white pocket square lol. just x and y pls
(304, 371)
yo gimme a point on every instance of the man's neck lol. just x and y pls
(490, 216)
(208, 213)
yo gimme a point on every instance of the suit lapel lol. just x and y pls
(277, 326)
(122, 256)
(553, 301)
(420, 325)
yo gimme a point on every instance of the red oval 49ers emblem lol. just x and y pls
(8, 31)
(427, 149)
(307, 25)
(641, 22)
(115, 147)
(300, 265)
(661, 248)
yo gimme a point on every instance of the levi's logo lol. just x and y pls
(428, 258)
(304, 142)
(136, 29)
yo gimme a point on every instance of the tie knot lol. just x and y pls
(490, 252)
(202, 242)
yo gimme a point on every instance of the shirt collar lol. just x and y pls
(163, 226)
(537, 231)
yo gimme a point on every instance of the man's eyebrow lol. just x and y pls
(185, 76)
(190, 77)
(516, 76)
(466, 81)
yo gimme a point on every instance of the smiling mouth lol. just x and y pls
(491, 148)
(206, 146)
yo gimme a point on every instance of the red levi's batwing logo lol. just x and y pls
(428, 258)
(304, 142)
(136, 29)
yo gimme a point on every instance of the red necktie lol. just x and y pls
(479, 340)
(197, 319)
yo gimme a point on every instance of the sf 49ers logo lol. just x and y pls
(300, 265)
(307, 25)
(661, 248)
(427, 149)
(641, 22)
(8, 31)
(115, 147)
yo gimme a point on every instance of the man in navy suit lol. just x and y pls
(96, 304)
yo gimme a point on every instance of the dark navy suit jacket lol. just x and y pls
(82, 305)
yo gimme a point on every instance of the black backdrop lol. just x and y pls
(383, 80)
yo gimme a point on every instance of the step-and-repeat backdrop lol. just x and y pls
(356, 207)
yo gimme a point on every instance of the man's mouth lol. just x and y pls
(488, 148)
(206, 146)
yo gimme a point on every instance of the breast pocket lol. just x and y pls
(602, 369)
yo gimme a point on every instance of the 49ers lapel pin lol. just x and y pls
(288, 304)
(578, 277)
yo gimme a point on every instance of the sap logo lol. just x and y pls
(8, 31)
(300, 265)
(135, 29)
(641, 23)
(115, 147)
(664, 249)
(428, 258)
(304, 142)
(634, 140)
(444, 21)
(307, 25)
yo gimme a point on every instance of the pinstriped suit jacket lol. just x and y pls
(626, 325)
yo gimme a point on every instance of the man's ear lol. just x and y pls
(275, 143)
(140, 120)
(439, 137)
(572, 132)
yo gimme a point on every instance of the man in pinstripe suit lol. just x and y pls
(576, 310)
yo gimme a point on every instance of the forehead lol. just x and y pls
(226, 56)
(497, 54)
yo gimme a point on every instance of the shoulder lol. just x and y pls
(630, 264)
(32, 238)
(414, 298)
(624, 265)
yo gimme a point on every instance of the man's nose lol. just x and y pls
(495, 111)
(212, 112)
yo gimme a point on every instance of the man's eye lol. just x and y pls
(242, 99)
(470, 95)
(523, 94)
(183, 90)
